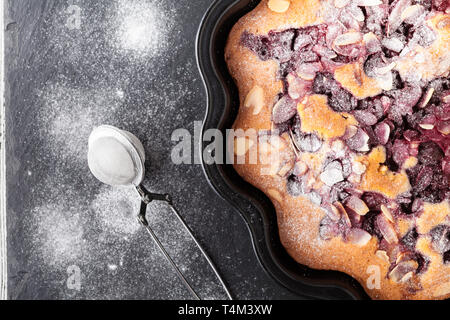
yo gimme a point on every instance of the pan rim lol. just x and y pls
(250, 206)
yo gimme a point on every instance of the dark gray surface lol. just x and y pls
(62, 82)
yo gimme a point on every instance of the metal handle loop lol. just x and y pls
(148, 197)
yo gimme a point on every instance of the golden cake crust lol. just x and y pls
(298, 217)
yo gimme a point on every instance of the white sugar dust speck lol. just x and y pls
(112, 267)
(120, 93)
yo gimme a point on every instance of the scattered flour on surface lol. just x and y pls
(144, 27)
(134, 28)
(68, 115)
(59, 234)
(76, 221)
(117, 210)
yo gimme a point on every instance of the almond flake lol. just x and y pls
(368, 37)
(446, 99)
(356, 13)
(285, 169)
(407, 277)
(427, 98)
(275, 194)
(359, 237)
(284, 109)
(386, 69)
(383, 131)
(386, 229)
(343, 213)
(310, 182)
(444, 128)
(411, 12)
(306, 76)
(402, 269)
(382, 255)
(358, 167)
(350, 132)
(315, 198)
(387, 213)
(394, 20)
(372, 43)
(300, 168)
(426, 126)
(334, 213)
(348, 38)
(332, 176)
(255, 99)
(279, 6)
(386, 81)
(365, 146)
(339, 148)
(357, 205)
(411, 162)
(393, 44)
(401, 257)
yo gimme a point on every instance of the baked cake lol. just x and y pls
(353, 98)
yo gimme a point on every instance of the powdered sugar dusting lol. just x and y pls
(59, 236)
(117, 209)
(100, 75)
(143, 29)
(69, 114)
(133, 28)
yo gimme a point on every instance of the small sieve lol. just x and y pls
(117, 158)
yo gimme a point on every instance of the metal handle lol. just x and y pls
(147, 198)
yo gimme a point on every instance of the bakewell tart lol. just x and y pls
(353, 98)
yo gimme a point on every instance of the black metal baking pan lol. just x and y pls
(256, 209)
